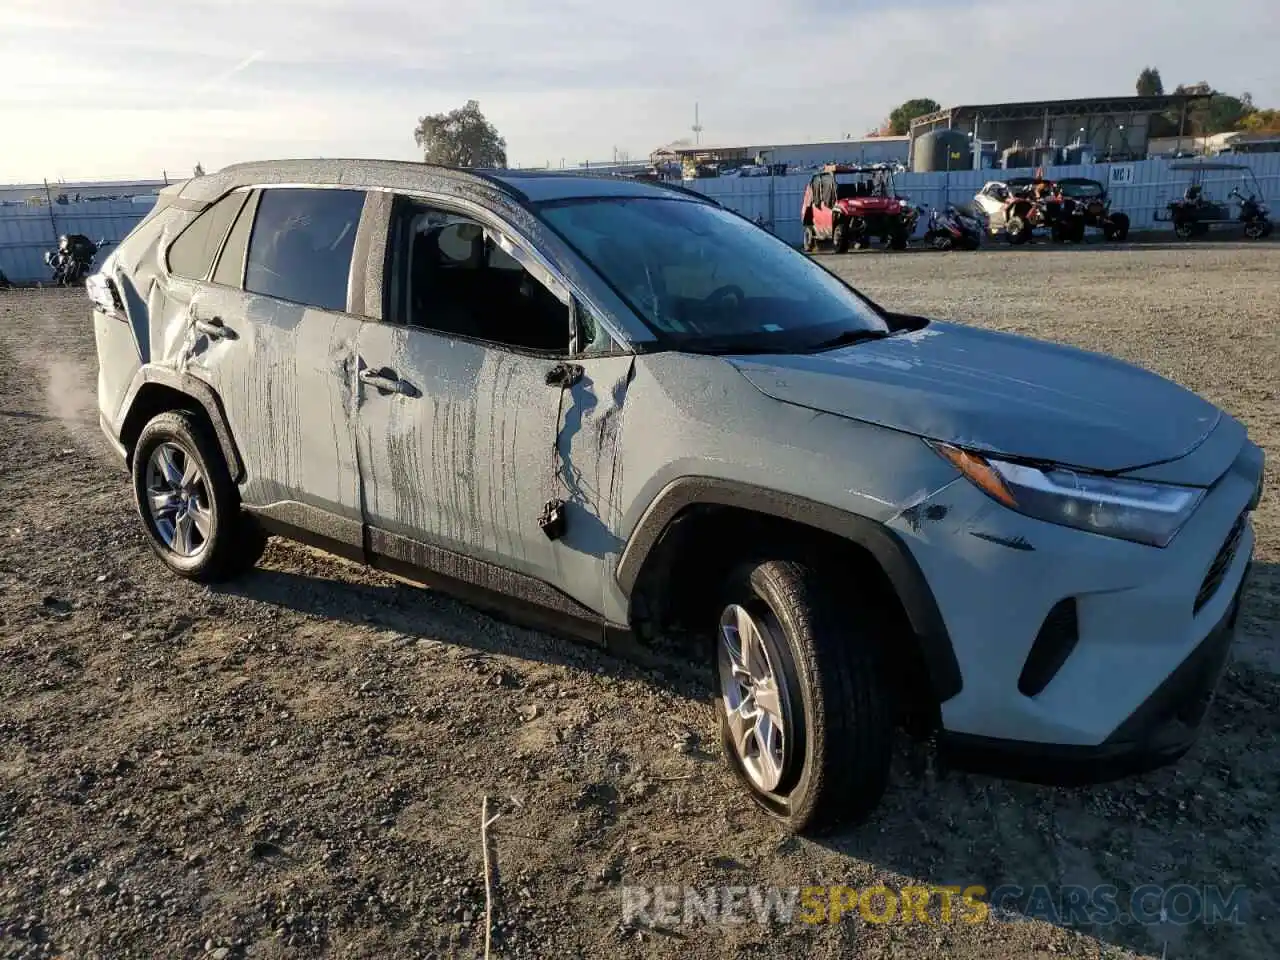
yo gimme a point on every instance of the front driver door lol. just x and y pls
(462, 437)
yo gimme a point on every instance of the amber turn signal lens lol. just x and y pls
(979, 471)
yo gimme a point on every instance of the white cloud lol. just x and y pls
(134, 86)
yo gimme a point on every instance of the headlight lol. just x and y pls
(1150, 513)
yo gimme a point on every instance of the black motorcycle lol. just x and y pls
(1253, 214)
(952, 230)
(73, 260)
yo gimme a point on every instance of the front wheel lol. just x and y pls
(188, 503)
(840, 237)
(1257, 229)
(1019, 230)
(1119, 228)
(897, 241)
(804, 697)
(809, 239)
(1184, 229)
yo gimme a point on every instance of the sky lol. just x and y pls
(126, 89)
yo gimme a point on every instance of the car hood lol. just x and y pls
(996, 392)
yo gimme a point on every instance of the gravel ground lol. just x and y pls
(294, 765)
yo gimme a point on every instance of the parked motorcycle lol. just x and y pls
(73, 260)
(1253, 214)
(949, 229)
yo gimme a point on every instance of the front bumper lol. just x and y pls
(1141, 613)
(1158, 732)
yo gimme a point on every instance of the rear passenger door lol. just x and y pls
(270, 331)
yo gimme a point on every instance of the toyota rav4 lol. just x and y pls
(620, 405)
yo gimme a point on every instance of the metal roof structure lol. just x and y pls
(1040, 109)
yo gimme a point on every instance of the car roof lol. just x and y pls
(498, 187)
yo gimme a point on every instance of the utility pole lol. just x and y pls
(697, 126)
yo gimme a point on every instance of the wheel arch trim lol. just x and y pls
(199, 391)
(884, 545)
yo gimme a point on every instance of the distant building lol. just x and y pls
(85, 189)
(794, 155)
(1116, 127)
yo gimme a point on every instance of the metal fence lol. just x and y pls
(1141, 189)
(27, 231)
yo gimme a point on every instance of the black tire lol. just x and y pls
(1019, 230)
(840, 237)
(1256, 229)
(1119, 228)
(898, 241)
(809, 239)
(1058, 233)
(235, 541)
(838, 699)
(1184, 229)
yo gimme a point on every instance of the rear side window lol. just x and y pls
(300, 249)
(230, 268)
(191, 255)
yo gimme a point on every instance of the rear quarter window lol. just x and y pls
(301, 245)
(191, 255)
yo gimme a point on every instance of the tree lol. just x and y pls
(900, 119)
(1149, 83)
(1262, 121)
(460, 138)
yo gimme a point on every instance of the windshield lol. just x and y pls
(706, 280)
(1081, 191)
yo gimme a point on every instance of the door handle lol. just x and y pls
(387, 381)
(215, 329)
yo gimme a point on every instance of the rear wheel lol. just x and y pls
(804, 697)
(188, 503)
(1256, 229)
(1184, 229)
(810, 239)
(840, 237)
(1018, 229)
(897, 241)
(1118, 228)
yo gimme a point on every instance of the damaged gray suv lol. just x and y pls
(622, 406)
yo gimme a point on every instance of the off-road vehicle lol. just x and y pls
(850, 205)
(626, 409)
(1019, 206)
(1095, 207)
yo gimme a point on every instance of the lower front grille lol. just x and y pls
(1218, 569)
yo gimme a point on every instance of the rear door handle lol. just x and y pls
(215, 329)
(387, 380)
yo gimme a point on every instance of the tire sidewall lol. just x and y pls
(180, 430)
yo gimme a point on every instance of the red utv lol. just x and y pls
(850, 205)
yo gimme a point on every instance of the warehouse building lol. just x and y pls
(1043, 132)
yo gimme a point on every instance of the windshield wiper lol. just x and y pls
(851, 336)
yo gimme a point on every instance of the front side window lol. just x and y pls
(300, 248)
(452, 275)
(706, 280)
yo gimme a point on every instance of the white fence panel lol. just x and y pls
(1141, 189)
(26, 232)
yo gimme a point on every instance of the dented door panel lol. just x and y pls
(284, 373)
(468, 453)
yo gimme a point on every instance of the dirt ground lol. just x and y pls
(294, 766)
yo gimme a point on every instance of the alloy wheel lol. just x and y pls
(178, 500)
(755, 697)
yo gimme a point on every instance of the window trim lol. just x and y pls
(395, 255)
